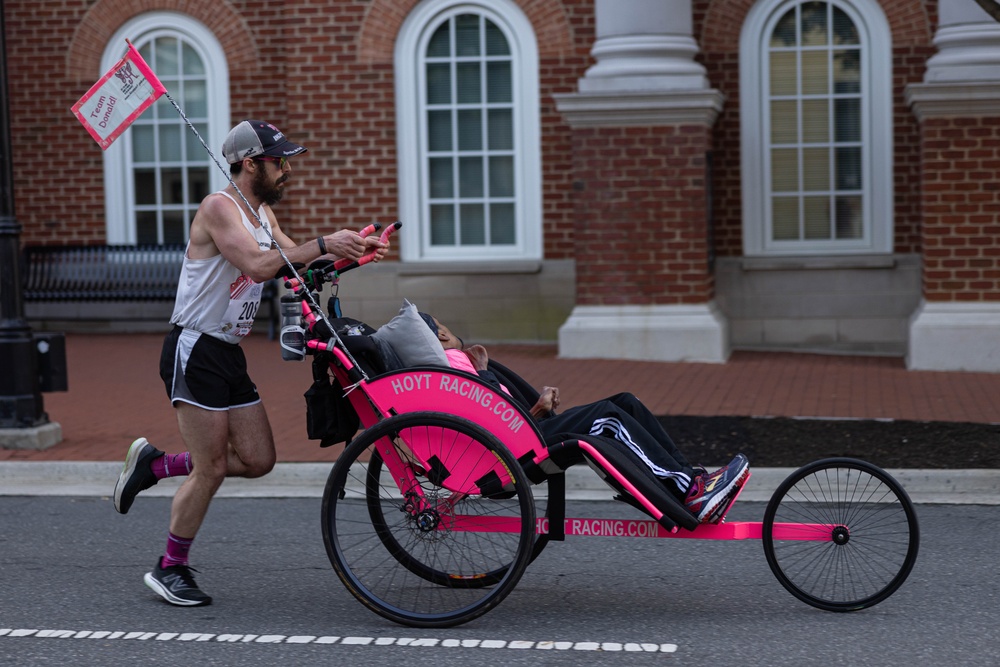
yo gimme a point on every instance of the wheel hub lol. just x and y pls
(841, 535)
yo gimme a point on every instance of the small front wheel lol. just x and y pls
(840, 534)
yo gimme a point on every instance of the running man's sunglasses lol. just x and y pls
(282, 161)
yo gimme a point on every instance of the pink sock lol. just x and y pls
(177, 551)
(171, 465)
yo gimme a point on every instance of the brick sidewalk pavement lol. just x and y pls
(115, 393)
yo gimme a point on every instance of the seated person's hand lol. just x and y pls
(478, 356)
(347, 244)
(548, 401)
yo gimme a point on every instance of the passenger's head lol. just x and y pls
(449, 341)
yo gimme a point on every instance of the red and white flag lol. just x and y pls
(122, 94)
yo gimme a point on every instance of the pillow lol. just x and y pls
(412, 340)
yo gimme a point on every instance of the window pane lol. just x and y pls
(195, 151)
(439, 130)
(438, 83)
(847, 120)
(145, 187)
(473, 224)
(502, 224)
(442, 178)
(173, 226)
(816, 169)
(814, 31)
(442, 224)
(847, 71)
(145, 227)
(817, 218)
(784, 122)
(193, 65)
(467, 35)
(496, 43)
(439, 46)
(844, 30)
(498, 83)
(815, 121)
(166, 57)
(502, 176)
(784, 170)
(501, 129)
(470, 130)
(470, 177)
(785, 212)
(784, 31)
(195, 99)
(143, 146)
(170, 142)
(172, 186)
(815, 74)
(783, 74)
(468, 83)
(850, 223)
(197, 184)
(848, 168)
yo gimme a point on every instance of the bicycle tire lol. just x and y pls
(410, 561)
(869, 530)
(429, 574)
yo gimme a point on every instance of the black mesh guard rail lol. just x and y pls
(101, 273)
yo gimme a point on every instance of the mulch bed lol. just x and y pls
(783, 442)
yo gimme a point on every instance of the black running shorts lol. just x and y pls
(205, 371)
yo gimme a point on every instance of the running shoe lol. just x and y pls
(709, 490)
(175, 584)
(136, 475)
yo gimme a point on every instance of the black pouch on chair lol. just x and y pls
(330, 417)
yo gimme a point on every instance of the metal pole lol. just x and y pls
(20, 393)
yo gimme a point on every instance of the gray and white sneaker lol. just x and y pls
(175, 584)
(136, 475)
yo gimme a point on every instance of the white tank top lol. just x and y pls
(216, 298)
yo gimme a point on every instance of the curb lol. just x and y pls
(307, 480)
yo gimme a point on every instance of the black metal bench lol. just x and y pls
(101, 273)
(133, 273)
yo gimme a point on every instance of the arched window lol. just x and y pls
(468, 138)
(816, 112)
(158, 172)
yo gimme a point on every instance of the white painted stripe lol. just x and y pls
(424, 642)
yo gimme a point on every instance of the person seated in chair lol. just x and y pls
(622, 417)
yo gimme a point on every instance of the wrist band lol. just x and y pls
(322, 245)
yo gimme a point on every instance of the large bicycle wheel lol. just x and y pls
(840, 534)
(428, 519)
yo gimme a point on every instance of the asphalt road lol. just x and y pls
(71, 592)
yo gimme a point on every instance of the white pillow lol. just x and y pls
(413, 341)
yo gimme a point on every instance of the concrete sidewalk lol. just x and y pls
(115, 395)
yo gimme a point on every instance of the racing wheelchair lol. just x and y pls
(429, 515)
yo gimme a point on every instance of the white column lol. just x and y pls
(644, 45)
(645, 74)
(968, 43)
(962, 80)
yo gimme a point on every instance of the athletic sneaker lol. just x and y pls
(136, 475)
(709, 490)
(175, 584)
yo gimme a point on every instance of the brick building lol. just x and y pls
(657, 179)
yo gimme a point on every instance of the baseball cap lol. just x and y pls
(255, 137)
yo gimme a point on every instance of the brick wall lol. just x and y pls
(961, 202)
(321, 71)
(641, 212)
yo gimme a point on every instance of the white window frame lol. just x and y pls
(411, 131)
(877, 153)
(119, 188)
